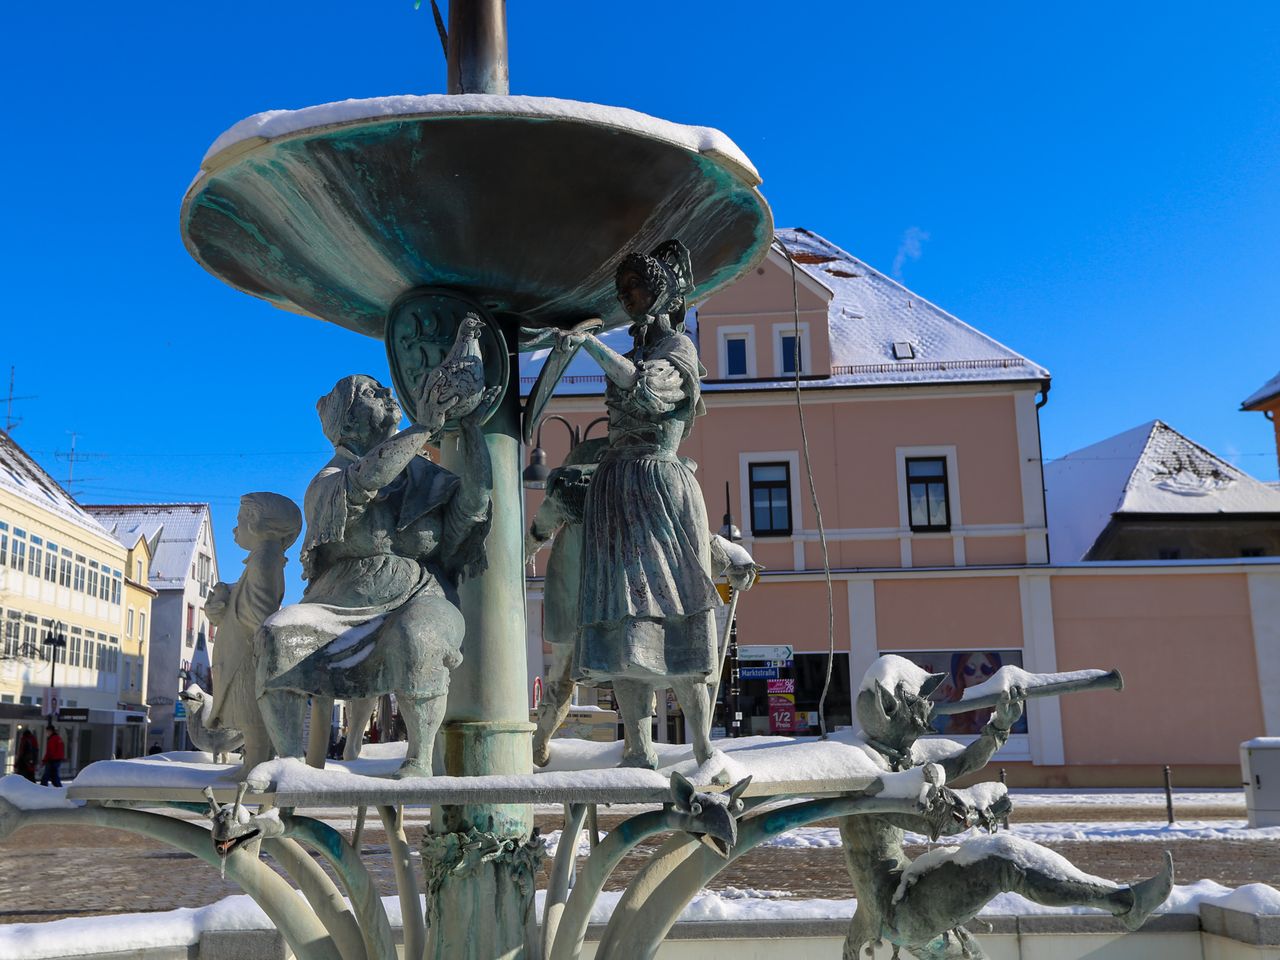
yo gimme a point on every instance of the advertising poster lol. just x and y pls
(782, 706)
(964, 669)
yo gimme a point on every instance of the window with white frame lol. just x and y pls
(128, 623)
(51, 562)
(769, 487)
(736, 352)
(784, 349)
(928, 502)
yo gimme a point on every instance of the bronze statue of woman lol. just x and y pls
(647, 596)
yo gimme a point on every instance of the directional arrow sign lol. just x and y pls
(768, 651)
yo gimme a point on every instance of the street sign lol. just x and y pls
(758, 673)
(765, 651)
(73, 715)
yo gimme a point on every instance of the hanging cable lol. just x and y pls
(813, 491)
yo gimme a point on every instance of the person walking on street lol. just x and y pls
(55, 752)
(28, 755)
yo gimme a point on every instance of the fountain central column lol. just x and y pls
(478, 858)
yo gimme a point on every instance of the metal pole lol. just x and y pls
(1168, 792)
(478, 47)
(735, 687)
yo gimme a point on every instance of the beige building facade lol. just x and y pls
(925, 450)
(61, 575)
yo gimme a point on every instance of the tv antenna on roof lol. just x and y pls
(9, 421)
(71, 457)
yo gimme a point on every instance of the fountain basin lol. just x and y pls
(525, 203)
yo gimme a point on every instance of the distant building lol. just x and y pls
(138, 597)
(61, 573)
(924, 439)
(184, 565)
(1151, 494)
(1266, 400)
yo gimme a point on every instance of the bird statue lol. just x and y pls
(456, 387)
(218, 741)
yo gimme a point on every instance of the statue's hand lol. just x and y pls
(743, 576)
(1008, 709)
(569, 340)
(473, 418)
(215, 605)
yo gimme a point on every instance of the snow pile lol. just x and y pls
(180, 769)
(25, 795)
(273, 124)
(890, 671)
(1010, 676)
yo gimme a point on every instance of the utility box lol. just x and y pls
(1260, 764)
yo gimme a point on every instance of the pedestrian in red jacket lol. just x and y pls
(55, 751)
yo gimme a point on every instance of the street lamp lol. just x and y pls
(536, 473)
(729, 531)
(57, 640)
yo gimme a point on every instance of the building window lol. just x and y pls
(191, 625)
(770, 491)
(77, 646)
(79, 580)
(12, 633)
(128, 623)
(51, 562)
(927, 501)
(142, 627)
(787, 353)
(4, 543)
(64, 569)
(93, 578)
(736, 352)
(18, 550)
(36, 558)
(137, 566)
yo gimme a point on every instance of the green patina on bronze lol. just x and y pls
(339, 222)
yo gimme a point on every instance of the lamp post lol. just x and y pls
(734, 727)
(56, 640)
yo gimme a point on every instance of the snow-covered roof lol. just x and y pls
(867, 314)
(870, 312)
(172, 531)
(1266, 392)
(1149, 469)
(21, 475)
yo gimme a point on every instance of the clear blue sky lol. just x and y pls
(1096, 185)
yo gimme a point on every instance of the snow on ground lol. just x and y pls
(1125, 797)
(1149, 831)
(78, 936)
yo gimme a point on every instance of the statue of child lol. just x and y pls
(266, 526)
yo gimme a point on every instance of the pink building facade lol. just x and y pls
(924, 445)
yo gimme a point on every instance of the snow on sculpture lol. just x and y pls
(922, 905)
(389, 536)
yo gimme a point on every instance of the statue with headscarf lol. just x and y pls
(647, 598)
(389, 537)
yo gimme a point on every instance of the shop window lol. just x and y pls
(770, 492)
(928, 504)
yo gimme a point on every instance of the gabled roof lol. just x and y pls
(869, 312)
(21, 475)
(172, 530)
(1268, 391)
(1149, 469)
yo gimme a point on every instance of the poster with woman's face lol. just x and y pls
(964, 669)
